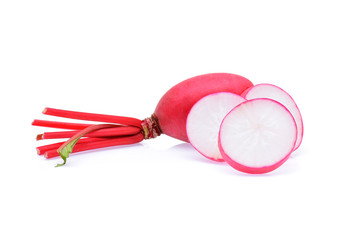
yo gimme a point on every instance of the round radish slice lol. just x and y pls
(204, 120)
(257, 136)
(273, 92)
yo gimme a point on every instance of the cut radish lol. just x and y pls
(273, 92)
(204, 120)
(257, 136)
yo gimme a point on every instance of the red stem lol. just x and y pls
(63, 125)
(84, 146)
(108, 132)
(93, 117)
(42, 149)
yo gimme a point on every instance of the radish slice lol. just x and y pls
(273, 92)
(257, 136)
(204, 120)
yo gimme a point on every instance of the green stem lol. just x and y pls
(65, 149)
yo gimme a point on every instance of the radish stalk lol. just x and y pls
(54, 146)
(66, 148)
(62, 125)
(97, 136)
(110, 132)
(93, 117)
(101, 143)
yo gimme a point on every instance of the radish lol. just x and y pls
(174, 106)
(257, 136)
(273, 92)
(169, 117)
(204, 120)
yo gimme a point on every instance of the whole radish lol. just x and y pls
(168, 118)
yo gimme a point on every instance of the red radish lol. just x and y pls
(174, 106)
(257, 136)
(273, 92)
(169, 116)
(204, 120)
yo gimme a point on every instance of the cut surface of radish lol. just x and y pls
(257, 136)
(276, 93)
(204, 120)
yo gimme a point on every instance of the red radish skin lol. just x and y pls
(175, 105)
(257, 136)
(253, 170)
(266, 90)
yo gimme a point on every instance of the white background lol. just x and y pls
(120, 57)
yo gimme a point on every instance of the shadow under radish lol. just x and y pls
(186, 151)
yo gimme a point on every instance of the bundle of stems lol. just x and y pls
(112, 131)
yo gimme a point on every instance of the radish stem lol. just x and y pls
(65, 149)
(63, 125)
(110, 132)
(93, 117)
(84, 146)
(42, 149)
(39, 137)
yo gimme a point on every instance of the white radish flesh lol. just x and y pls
(204, 120)
(257, 136)
(278, 94)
